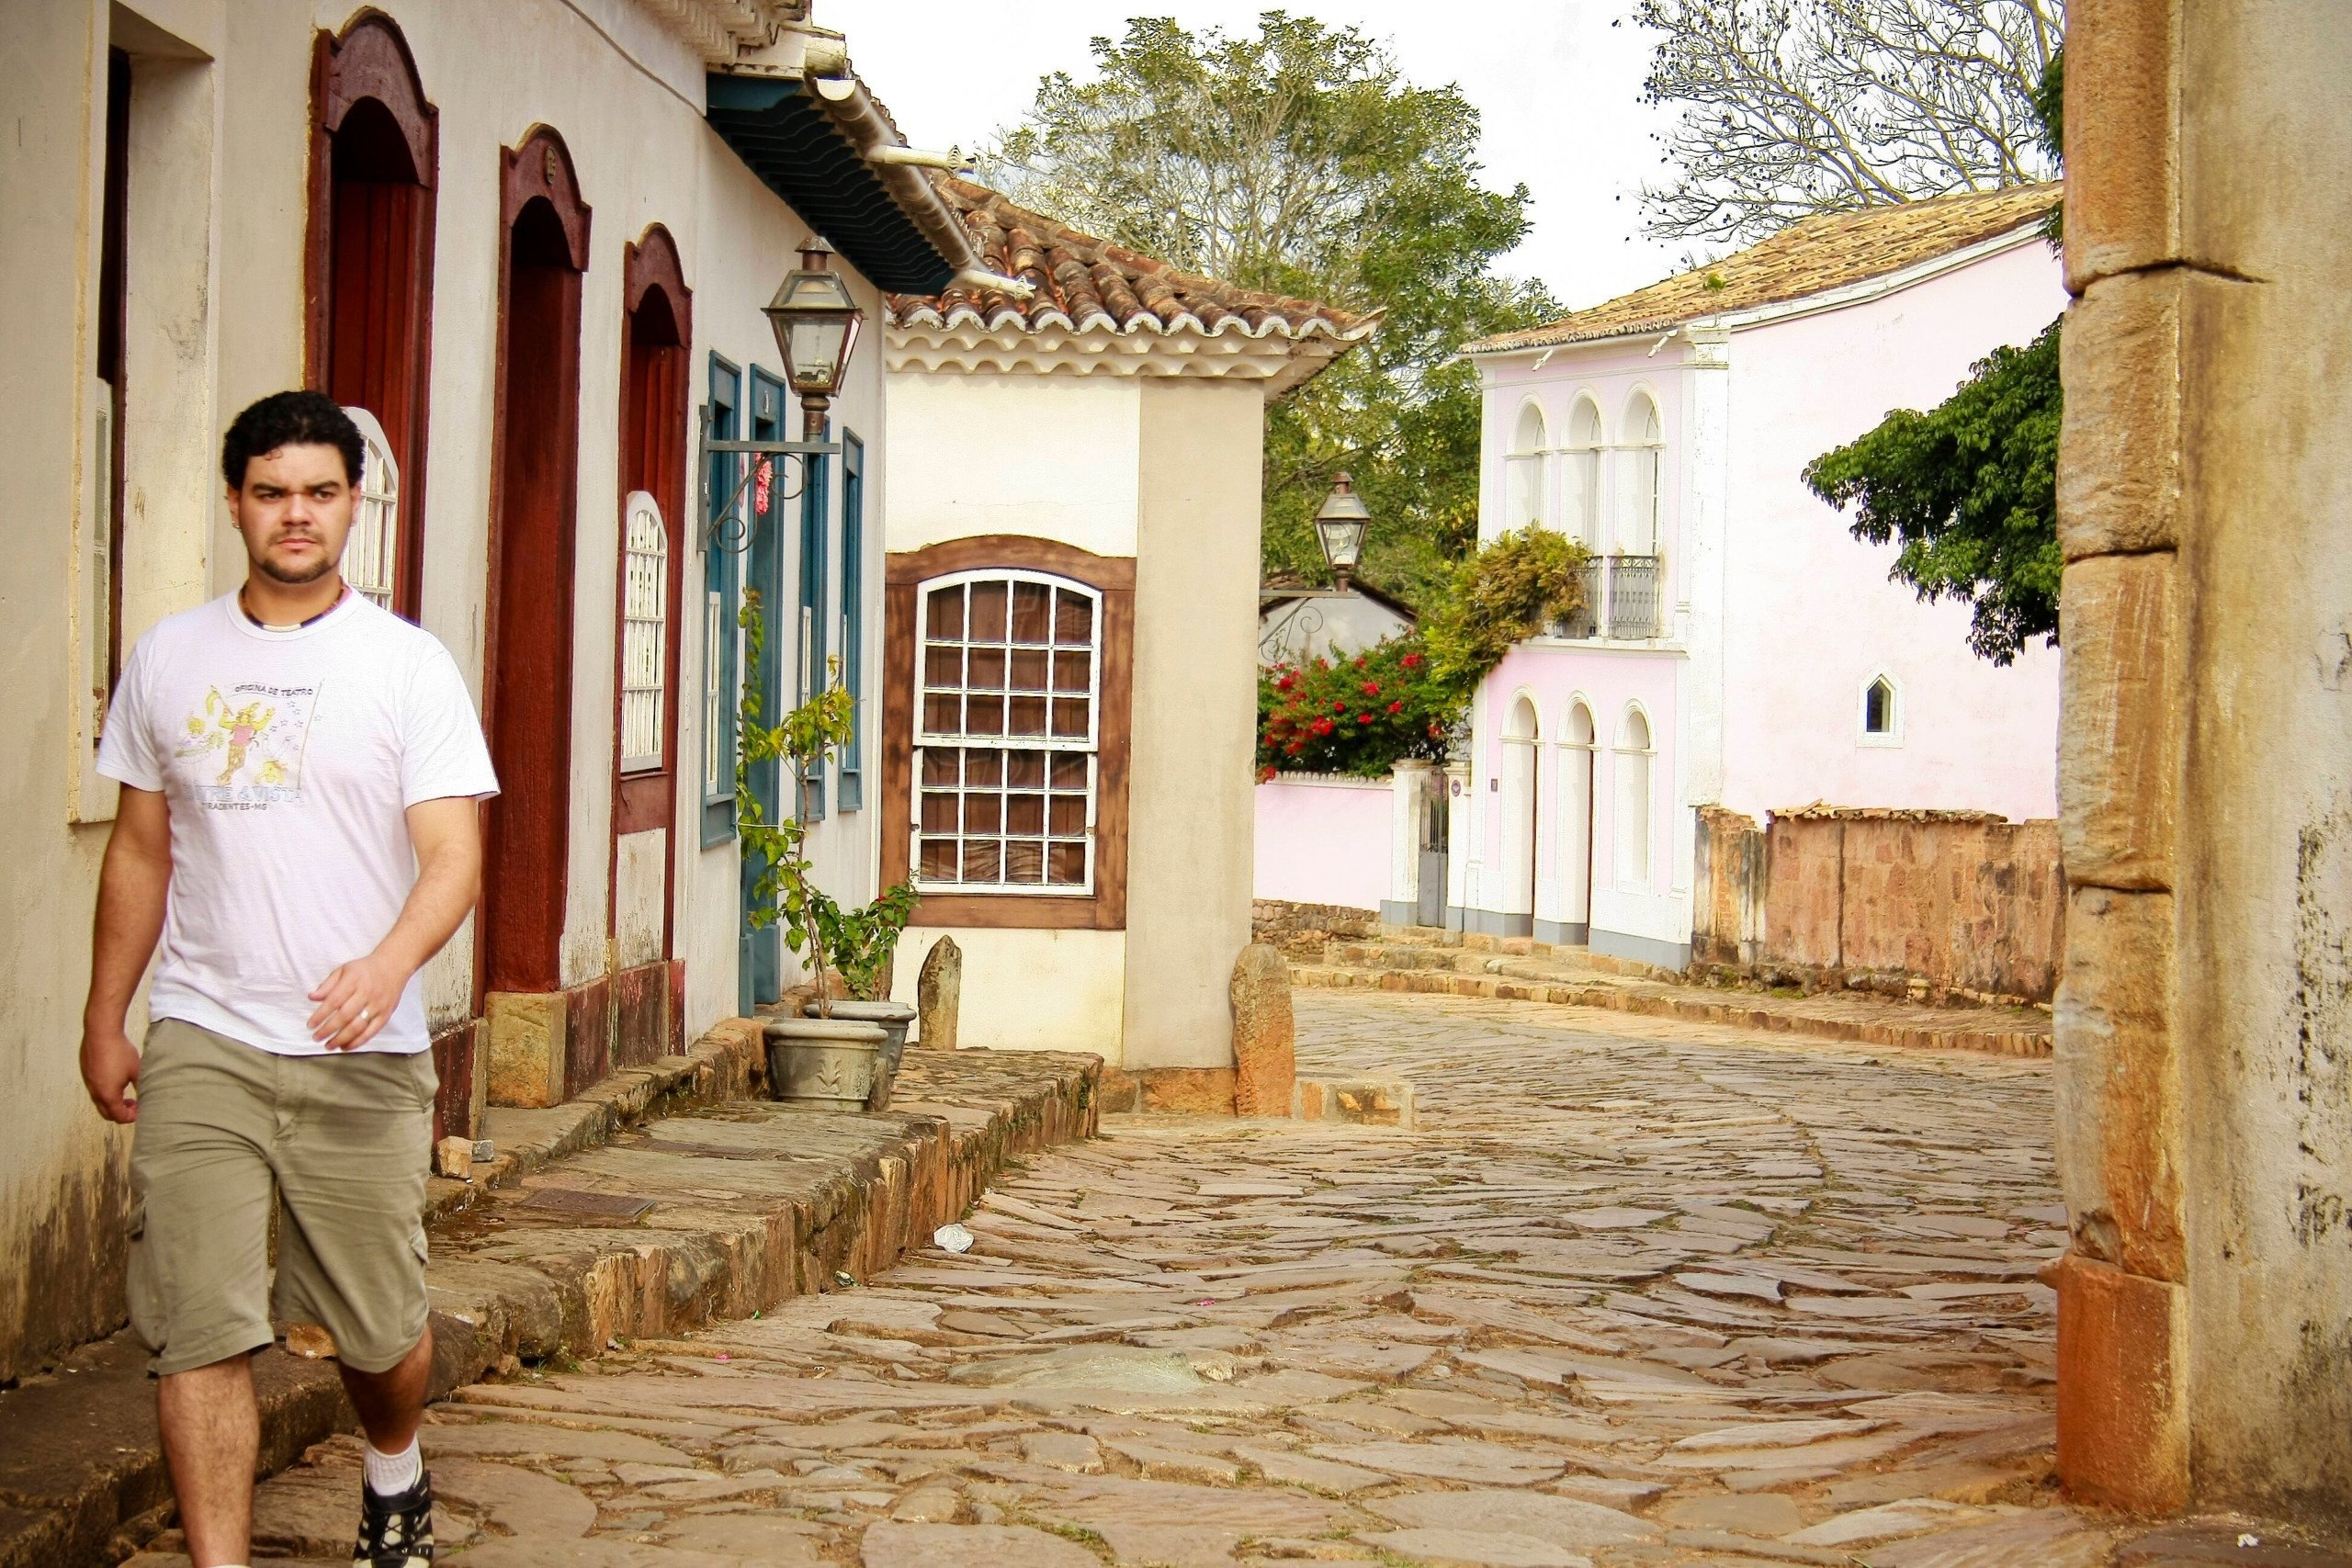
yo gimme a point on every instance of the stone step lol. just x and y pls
(1861, 1020)
(755, 1202)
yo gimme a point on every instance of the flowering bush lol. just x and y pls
(1357, 714)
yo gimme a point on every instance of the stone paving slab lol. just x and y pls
(797, 1200)
(1216, 1344)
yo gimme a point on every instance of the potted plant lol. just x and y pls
(829, 1058)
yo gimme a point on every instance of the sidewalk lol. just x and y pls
(664, 1198)
(1517, 969)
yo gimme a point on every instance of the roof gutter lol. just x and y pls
(818, 60)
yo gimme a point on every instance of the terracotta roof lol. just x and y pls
(1084, 284)
(1807, 257)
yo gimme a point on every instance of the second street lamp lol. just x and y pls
(1340, 528)
(816, 326)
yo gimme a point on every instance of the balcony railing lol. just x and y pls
(1621, 594)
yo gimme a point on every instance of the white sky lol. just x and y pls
(1558, 90)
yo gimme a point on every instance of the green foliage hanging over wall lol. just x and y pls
(1509, 591)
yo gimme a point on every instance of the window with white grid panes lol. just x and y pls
(645, 632)
(372, 554)
(1006, 734)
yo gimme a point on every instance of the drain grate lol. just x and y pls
(619, 1208)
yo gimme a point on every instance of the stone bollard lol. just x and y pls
(939, 994)
(1264, 1039)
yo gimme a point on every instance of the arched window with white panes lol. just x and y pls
(371, 555)
(645, 631)
(1524, 470)
(1007, 733)
(1634, 759)
(1642, 456)
(1584, 473)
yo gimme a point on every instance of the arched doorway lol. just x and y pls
(544, 247)
(1519, 808)
(374, 166)
(1635, 814)
(1576, 765)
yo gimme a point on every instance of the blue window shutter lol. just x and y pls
(853, 784)
(722, 597)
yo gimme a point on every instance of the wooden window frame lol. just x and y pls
(646, 798)
(1113, 577)
(370, 61)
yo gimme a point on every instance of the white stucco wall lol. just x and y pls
(974, 445)
(1028, 990)
(1810, 614)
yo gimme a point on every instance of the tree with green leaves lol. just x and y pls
(1300, 161)
(1970, 489)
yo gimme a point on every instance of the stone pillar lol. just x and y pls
(2204, 1017)
(939, 996)
(1409, 787)
(1265, 1039)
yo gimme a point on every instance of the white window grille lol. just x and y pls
(1584, 474)
(371, 555)
(645, 631)
(1007, 734)
(1644, 438)
(1524, 470)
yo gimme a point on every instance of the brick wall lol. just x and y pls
(1947, 904)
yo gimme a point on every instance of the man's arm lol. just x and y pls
(133, 882)
(355, 1000)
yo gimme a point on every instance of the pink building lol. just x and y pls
(1741, 649)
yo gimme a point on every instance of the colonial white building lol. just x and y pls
(1740, 647)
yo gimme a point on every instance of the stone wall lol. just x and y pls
(2204, 1024)
(1301, 930)
(1945, 905)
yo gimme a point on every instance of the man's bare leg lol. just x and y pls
(391, 1402)
(211, 1435)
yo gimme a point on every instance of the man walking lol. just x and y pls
(298, 825)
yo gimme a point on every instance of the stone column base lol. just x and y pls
(2122, 1386)
(1180, 1091)
(544, 1047)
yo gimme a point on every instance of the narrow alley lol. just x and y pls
(1668, 1293)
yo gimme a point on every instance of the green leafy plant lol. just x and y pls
(855, 944)
(1360, 715)
(1506, 594)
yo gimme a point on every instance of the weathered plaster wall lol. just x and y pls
(220, 155)
(1323, 839)
(1810, 614)
(2205, 1020)
(1958, 902)
(1192, 809)
(972, 459)
(1028, 990)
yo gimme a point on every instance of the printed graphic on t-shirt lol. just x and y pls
(256, 735)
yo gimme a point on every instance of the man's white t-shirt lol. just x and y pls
(287, 760)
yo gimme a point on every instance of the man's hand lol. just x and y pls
(110, 1072)
(356, 1001)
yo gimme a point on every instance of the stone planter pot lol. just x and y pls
(833, 1064)
(893, 1018)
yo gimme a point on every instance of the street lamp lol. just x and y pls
(1340, 526)
(816, 327)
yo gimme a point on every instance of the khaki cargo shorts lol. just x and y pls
(339, 1143)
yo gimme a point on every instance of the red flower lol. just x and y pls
(1371, 688)
(1338, 707)
(1286, 683)
(1294, 748)
(1321, 727)
(1266, 773)
(1362, 660)
(1412, 661)
(1364, 718)
(1321, 662)
(1396, 706)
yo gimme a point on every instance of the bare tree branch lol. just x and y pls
(1797, 107)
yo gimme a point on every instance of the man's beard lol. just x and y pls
(293, 579)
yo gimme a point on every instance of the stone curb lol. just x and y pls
(1615, 998)
(82, 1477)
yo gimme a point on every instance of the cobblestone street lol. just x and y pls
(1667, 1294)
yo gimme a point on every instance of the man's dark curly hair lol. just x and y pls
(291, 419)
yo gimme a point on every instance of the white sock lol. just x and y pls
(389, 1475)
